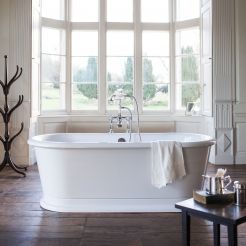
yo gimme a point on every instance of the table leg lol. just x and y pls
(185, 228)
(216, 227)
(232, 234)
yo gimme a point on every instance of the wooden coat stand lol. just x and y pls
(6, 113)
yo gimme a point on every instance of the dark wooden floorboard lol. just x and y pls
(24, 223)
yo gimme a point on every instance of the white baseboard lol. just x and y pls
(240, 158)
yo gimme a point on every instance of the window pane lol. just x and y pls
(84, 10)
(188, 41)
(53, 41)
(119, 10)
(53, 69)
(156, 11)
(155, 70)
(53, 96)
(84, 43)
(187, 9)
(155, 43)
(188, 92)
(120, 70)
(120, 63)
(188, 68)
(84, 96)
(155, 83)
(120, 43)
(53, 9)
(120, 75)
(156, 96)
(84, 70)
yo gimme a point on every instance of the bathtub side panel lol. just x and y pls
(112, 174)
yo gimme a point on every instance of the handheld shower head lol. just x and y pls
(118, 95)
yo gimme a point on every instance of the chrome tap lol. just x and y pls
(119, 119)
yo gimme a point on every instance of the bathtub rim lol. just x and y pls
(37, 141)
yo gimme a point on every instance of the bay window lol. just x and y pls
(147, 48)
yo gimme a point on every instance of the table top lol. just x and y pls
(227, 212)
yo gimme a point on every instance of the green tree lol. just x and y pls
(127, 84)
(128, 76)
(51, 71)
(88, 89)
(91, 70)
(111, 88)
(149, 89)
(148, 71)
(109, 77)
(190, 92)
(79, 75)
(190, 74)
(189, 65)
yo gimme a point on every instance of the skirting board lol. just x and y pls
(240, 158)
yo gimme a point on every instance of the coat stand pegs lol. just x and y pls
(6, 113)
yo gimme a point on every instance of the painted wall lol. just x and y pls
(4, 49)
(15, 42)
(4, 31)
(241, 54)
(240, 106)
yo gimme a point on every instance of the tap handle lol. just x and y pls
(119, 121)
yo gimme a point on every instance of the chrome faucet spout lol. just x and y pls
(121, 118)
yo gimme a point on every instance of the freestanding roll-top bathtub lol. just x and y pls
(92, 172)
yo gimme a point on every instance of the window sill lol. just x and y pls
(101, 118)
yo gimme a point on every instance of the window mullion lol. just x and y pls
(102, 86)
(119, 26)
(84, 26)
(59, 24)
(69, 62)
(138, 91)
(156, 26)
(172, 8)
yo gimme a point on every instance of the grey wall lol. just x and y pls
(241, 51)
(15, 41)
(4, 49)
(4, 32)
(240, 106)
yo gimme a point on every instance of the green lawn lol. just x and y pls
(52, 99)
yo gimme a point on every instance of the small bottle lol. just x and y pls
(240, 193)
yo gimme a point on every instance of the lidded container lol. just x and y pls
(240, 193)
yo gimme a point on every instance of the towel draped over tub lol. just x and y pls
(167, 162)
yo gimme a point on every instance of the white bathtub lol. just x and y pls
(92, 172)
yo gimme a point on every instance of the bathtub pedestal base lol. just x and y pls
(110, 205)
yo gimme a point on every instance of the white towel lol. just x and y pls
(167, 162)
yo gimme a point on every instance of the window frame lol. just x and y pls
(102, 26)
